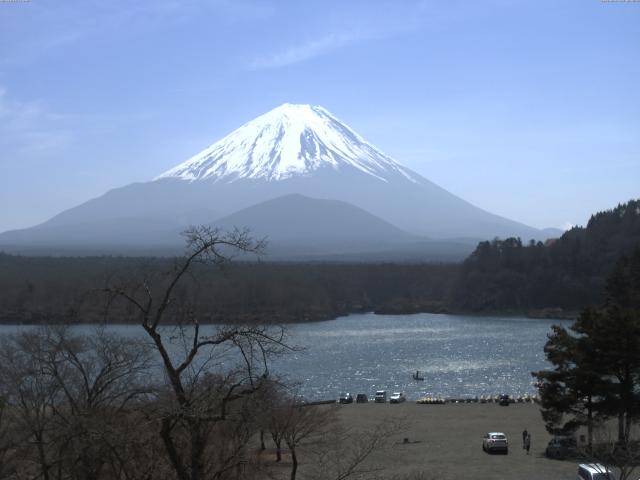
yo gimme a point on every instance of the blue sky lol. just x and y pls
(529, 109)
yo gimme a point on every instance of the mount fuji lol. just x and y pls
(287, 142)
(292, 150)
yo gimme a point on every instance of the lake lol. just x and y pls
(458, 356)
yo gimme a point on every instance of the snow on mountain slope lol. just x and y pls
(290, 140)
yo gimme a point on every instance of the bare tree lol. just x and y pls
(29, 398)
(347, 453)
(7, 443)
(198, 400)
(101, 377)
(67, 396)
(303, 424)
(273, 418)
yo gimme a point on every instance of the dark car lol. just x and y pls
(345, 398)
(561, 447)
(362, 398)
(504, 400)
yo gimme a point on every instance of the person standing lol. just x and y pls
(524, 437)
(527, 443)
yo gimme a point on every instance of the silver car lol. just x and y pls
(594, 471)
(495, 442)
(397, 397)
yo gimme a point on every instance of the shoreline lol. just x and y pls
(540, 314)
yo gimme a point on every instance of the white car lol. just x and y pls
(495, 442)
(397, 397)
(381, 396)
(594, 471)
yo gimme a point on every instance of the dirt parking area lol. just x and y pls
(446, 440)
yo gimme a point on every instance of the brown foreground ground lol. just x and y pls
(445, 441)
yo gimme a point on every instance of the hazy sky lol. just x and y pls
(529, 109)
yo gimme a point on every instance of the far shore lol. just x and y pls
(270, 319)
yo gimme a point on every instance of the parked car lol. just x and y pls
(561, 447)
(495, 442)
(381, 396)
(362, 398)
(504, 400)
(345, 398)
(397, 397)
(594, 471)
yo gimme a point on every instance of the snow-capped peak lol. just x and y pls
(289, 140)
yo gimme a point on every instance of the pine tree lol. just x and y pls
(596, 372)
(572, 388)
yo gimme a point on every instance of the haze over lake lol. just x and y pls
(458, 356)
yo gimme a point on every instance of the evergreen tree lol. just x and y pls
(618, 343)
(596, 370)
(572, 388)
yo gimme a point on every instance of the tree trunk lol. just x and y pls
(294, 463)
(590, 425)
(278, 441)
(42, 457)
(262, 445)
(628, 404)
(627, 430)
(621, 427)
(174, 457)
(197, 451)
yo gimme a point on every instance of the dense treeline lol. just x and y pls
(36, 289)
(500, 276)
(566, 273)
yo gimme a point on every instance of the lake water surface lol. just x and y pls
(457, 355)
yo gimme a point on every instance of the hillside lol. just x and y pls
(569, 272)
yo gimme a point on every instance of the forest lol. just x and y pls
(567, 273)
(557, 278)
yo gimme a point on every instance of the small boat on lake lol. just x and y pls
(416, 376)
